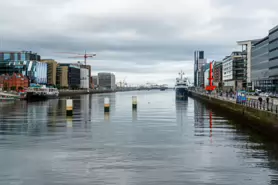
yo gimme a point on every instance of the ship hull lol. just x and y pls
(31, 96)
(181, 93)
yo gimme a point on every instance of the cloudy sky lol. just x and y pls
(143, 40)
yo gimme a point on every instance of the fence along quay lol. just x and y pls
(262, 117)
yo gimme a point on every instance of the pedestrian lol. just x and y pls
(260, 100)
(267, 102)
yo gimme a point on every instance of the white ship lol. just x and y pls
(181, 87)
(38, 92)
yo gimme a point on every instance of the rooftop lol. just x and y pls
(243, 42)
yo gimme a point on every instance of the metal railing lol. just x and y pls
(253, 103)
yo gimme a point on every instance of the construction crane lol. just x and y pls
(85, 56)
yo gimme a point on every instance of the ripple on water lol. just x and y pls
(164, 142)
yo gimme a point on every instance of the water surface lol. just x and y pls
(164, 142)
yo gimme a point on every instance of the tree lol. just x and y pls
(20, 88)
(5, 88)
(13, 88)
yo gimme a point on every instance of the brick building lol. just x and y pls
(14, 80)
(217, 74)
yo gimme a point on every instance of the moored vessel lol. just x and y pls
(37, 92)
(181, 86)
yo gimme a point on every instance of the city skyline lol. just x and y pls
(132, 40)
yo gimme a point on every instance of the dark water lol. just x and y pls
(164, 142)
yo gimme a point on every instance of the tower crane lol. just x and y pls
(85, 56)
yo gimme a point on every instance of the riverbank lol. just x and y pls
(262, 118)
(78, 92)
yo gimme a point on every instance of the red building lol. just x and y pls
(13, 81)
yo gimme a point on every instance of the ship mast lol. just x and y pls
(181, 74)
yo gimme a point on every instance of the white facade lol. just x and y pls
(227, 71)
(248, 48)
(206, 76)
(113, 81)
(84, 78)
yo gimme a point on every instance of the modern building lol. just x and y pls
(234, 71)
(90, 73)
(73, 75)
(84, 78)
(51, 71)
(13, 82)
(24, 62)
(106, 81)
(95, 81)
(260, 65)
(198, 62)
(264, 68)
(62, 76)
(201, 76)
(206, 76)
(217, 74)
(273, 57)
(247, 46)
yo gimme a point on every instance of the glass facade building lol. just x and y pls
(260, 65)
(106, 81)
(198, 62)
(24, 62)
(73, 75)
(273, 58)
(265, 62)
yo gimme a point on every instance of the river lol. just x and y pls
(164, 142)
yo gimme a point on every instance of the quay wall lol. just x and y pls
(78, 92)
(262, 121)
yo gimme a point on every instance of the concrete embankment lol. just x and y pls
(263, 121)
(78, 92)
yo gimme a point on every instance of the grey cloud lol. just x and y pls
(129, 43)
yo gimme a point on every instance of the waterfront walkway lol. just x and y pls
(252, 101)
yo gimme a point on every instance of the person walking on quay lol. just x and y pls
(267, 102)
(260, 100)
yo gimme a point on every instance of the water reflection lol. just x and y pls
(134, 115)
(181, 111)
(107, 116)
(171, 143)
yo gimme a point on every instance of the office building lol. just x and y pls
(198, 62)
(90, 73)
(260, 65)
(51, 71)
(206, 76)
(264, 68)
(217, 74)
(62, 76)
(106, 81)
(24, 62)
(95, 81)
(84, 78)
(73, 75)
(247, 47)
(201, 76)
(234, 71)
(273, 58)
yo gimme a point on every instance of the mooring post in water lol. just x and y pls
(134, 102)
(69, 107)
(106, 104)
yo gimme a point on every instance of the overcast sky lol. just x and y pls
(143, 40)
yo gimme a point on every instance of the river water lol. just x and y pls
(164, 142)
